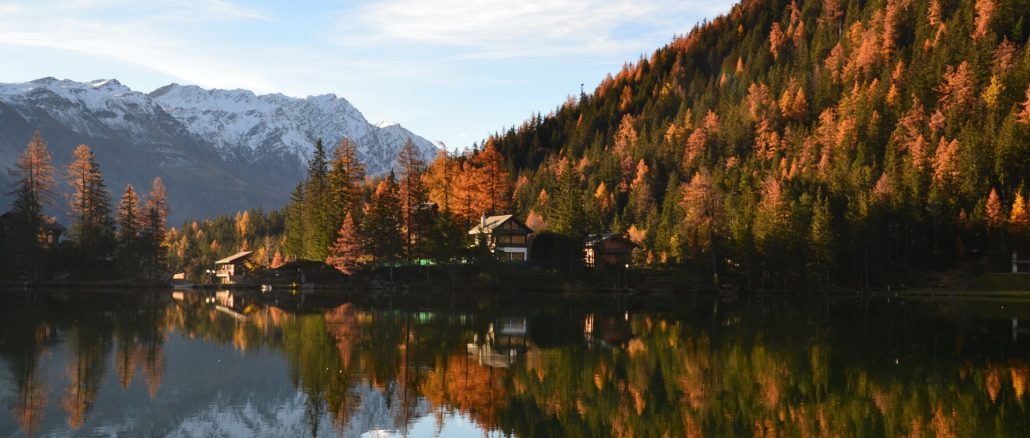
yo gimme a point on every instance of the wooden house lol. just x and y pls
(608, 251)
(1021, 261)
(49, 234)
(507, 236)
(232, 268)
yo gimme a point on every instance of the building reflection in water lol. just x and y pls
(756, 368)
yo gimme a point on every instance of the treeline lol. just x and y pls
(196, 245)
(103, 241)
(422, 213)
(792, 144)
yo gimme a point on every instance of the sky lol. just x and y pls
(452, 71)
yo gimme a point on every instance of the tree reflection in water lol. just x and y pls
(775, 368)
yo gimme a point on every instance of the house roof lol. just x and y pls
(234, 257)
(48, 223)
(595, 239)
(489, 223)
(54, 225)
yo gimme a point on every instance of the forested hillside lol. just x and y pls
(801, 142)
(785, 145)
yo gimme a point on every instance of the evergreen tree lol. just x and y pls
(382, 223)
(34, 180)
(130, 222)
(317, 229)
(345, 178)
(294, 244)
(567, 216)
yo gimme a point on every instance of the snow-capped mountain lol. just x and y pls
(218, 151)
(244, 125)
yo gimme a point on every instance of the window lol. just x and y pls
(517, 256)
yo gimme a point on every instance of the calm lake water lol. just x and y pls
(223, 364)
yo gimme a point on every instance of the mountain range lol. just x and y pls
(218, 151)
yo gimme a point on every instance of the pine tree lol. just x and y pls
(345, 177)
(566, 215)
(821, 238)
(383, 221)
(294, 242)
(34, 180)
(129, 228)
(317, 230)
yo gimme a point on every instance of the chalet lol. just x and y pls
(232, 268)
(507, 236)
(608, 251)
(50, 233)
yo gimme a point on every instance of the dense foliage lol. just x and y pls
(795, 143)
(31, 247)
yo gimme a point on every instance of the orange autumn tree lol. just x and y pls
(493, 181)
(345, 254)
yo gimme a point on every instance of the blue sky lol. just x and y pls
(449, 70)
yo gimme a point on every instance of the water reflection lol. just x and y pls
(238, 364)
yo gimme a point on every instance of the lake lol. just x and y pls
(247, 364)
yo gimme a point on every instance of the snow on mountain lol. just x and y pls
(83, 105)
(218, 151)
(245, 125)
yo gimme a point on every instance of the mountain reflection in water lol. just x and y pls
(244, 364)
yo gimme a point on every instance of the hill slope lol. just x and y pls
(792, 143)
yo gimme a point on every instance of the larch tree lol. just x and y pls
(1019, 217)
(155, 223)
(703, 203)
(957, 89)
(440, 179)
(243, 228)
(90, 204)
(465, 188)
(494, 180)
(346, 252)
(985, 10)
(414, 197)
(776, 40)
(34, 175)
(993, 211)
(34, 179)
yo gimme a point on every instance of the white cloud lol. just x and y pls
(506, 29)
(149, 39)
